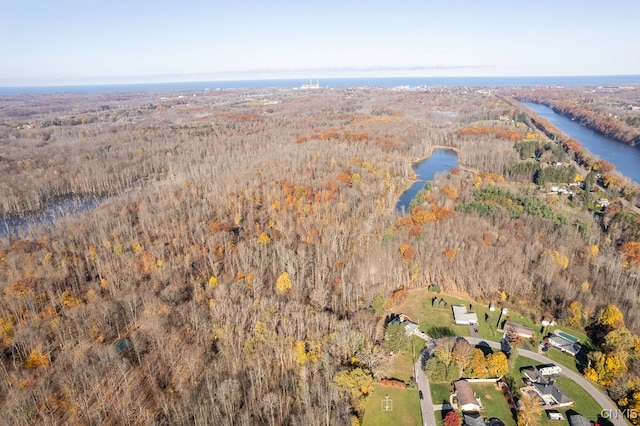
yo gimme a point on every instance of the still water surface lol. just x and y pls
(442, 160)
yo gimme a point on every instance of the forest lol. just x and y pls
(241, 241)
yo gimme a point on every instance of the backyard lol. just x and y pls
(402, 408)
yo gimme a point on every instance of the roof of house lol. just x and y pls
(550, 389)
(578, 420)
(461, 315)
(533, 374)
(472, 420)
(564, 344)
(465, 393)
(410, 327)
(517, 328)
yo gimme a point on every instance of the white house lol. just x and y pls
(467, 400)
(461, 316)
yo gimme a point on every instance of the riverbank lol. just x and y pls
(607, 126)
(596, 147)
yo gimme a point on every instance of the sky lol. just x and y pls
(66, 42)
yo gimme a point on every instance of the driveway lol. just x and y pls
(426, 404)
(600, 398)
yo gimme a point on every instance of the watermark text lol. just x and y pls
(620, 413)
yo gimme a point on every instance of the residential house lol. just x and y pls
(461, 316)
(564, 344)
(533, 375)
(467, 400)
(513, 330)
(410, 327)
(552, 395)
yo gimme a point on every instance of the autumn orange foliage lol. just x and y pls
(408, 252)
(631, 250)
(509, 135)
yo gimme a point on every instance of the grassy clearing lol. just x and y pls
(437, 322)
(563, 359)
(401, 365)
(494, 403)
(405, 404)
(584, 403)
(440, 392)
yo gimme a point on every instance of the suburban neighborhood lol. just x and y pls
(483, 365)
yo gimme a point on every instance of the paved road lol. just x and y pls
(600, 398)
(426, 404)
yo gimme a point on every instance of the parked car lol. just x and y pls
(420, 395)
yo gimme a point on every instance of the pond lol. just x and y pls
(16, 225)
(441, 160)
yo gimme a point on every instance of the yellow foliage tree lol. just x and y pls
(357, 383)
(213, 281)
(6, 331)
(264, 238)
(283, 284)
(604, 368)
(37, 359)
(450, 191)
(611, 317)
(497, 364)
(477, 182)
(561, 259)
(575, 313)
(415, 271)
(530, 410)
(586, 286)
(477, 368)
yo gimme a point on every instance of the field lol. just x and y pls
(438, 321)
(405, 406)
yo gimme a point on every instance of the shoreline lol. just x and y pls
(430, 152)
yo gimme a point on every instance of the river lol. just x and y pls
(624, 157)
(441, 160)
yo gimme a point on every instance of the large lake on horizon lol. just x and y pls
(441, 160)
(409, 82)
(626, 158)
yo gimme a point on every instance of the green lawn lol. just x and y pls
(440, 392)
(405, 407)
(401, 366)
(495, 405)
(564, 359)
(584, 403)
(437, 321)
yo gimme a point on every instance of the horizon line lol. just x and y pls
(133, 81)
